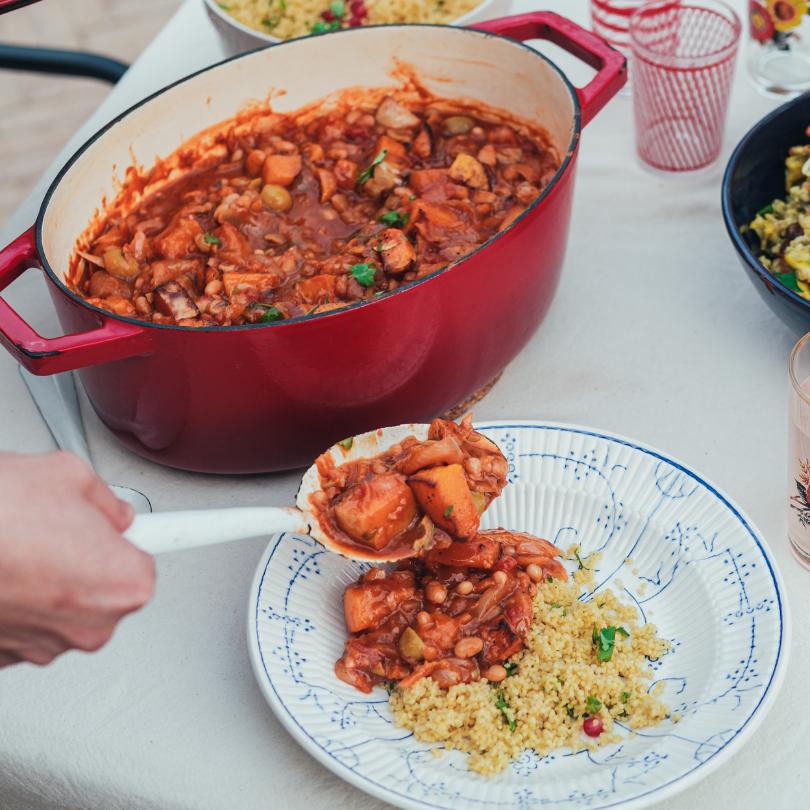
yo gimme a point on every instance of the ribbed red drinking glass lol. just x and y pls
(683, 65)
(611, 20)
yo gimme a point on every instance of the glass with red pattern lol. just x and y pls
(779, 46)
(683, 64)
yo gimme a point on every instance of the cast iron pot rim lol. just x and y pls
(745, 252)
(106, 314)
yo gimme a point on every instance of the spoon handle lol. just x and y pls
(175, 531)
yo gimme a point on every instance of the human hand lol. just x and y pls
(67, 576)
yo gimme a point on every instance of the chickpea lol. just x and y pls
(468, 647)
(496, 673)
(423, 618)
(535, 572)
(458, 124)
(509, 551)
(499, 577)
(276, 198)
(464, 588)
(435, 592)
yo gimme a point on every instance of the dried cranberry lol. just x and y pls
(355, 22)
(593, 726)
(328, 15)
(358, 8)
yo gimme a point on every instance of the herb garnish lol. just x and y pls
(789, 280)
(593, 704)
(503, 707)
(368, 173)
(571, 713)
(625, 696)
(447, 512)
(605, 640)
(579, 560)
(364, 273)
(346, 444)
(338, 8)
(511, 668)
(321, 27)
(210, 239)
(395, 218)
(768, 209)
(271, 314)
(312, 310)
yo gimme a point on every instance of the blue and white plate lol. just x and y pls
(675, 546)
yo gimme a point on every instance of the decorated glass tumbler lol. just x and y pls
(779, 45)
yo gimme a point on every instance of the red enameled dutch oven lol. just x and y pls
(270, 397)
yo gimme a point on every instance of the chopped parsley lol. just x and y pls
(571, 713)
(395, 218)
(346, 444)
(271, 314)
(270, 22)
(625, 696)
(768, 209)
(364, 273)
(605, 640)
(338, 8)
(503, 707)
(556, 605)
(511, 668)
(447, 512)
(210, 239)
(592, 704)
(309, 312)
(789, 280)
(322, 27)
(368, 173)
(579, 561)
(549, 579)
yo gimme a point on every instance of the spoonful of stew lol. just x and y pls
(386, 495)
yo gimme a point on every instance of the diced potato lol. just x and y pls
(466, 169)
(281, 169)
(443, 494)
(318, 289)
(261, 281)
(177, 240)
(377, 510)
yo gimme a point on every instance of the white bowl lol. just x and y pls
(238, 37)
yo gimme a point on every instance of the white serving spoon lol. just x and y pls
(58, 404)
(173, 531)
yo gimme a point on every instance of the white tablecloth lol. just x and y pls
(655, 334)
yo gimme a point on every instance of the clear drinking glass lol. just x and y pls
(683, 66)
(779, 45)
(799, 451)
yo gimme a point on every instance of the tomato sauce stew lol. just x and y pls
(284, 215)
(461, 603)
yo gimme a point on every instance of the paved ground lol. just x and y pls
(38, 113)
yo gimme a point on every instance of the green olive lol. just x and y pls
(276, 198)
(118, 265)
(411, 645)
(458, 124)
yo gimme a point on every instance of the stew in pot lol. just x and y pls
(302, 213)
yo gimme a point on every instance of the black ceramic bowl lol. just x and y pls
(755, 175)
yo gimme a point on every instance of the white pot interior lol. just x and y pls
(450, 62)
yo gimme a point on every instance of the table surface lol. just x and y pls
(654, 334)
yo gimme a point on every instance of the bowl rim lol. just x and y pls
(745, 252)
(567, 158)
(231, 21)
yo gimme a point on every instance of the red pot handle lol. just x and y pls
(611, 66)
(113, 340)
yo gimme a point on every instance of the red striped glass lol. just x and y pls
(683, 65)
(611, 20)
